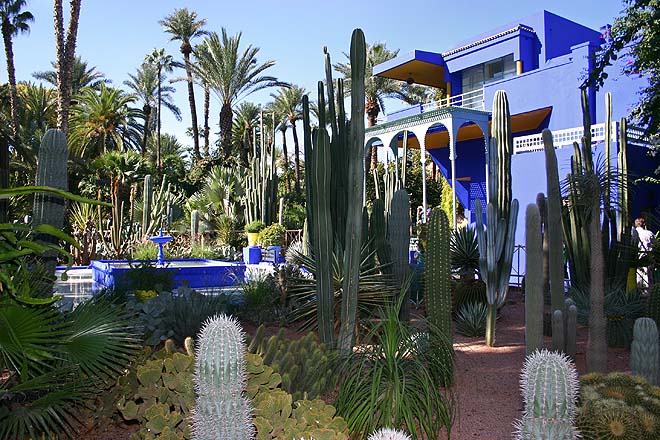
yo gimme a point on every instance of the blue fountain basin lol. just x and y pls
(195, 273)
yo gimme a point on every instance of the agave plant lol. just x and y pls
(471, 319)
(464, 252)
(375, 290)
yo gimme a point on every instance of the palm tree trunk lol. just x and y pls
(4, 177)
(207, 106)
(296, 158)
(158, 159)
(65, 50)
(193, 108)
(226, 116)
(11, 75)
(146, 109)
(286, 161)
(372, 108)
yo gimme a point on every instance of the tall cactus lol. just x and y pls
(194, 226)
(260, 198)
(437, 291)
(399, 238)
(222, 410)
(533, 281)
(597, 340)
(550, 388)
(147, 197)
(644, 356)
(378, 232)
(496, 242)
(51, 171)
(334, 177)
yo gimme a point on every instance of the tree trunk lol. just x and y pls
(372, 109)
(286, 161)
(11, 76)
(65, 50)
(4, 177)
(146, 109)
(193, 108)
(296, 158)
(158, 158)
(207, 130)
(226, 117)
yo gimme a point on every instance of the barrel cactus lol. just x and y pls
(389, 434)
(550, 387)
(222, 410)
(644, 358)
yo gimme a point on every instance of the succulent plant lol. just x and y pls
(222, 410)
(471, 319)
(644, 357)
(389, 434)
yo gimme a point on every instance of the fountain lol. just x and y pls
(160, 240)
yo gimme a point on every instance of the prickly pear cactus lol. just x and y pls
(644, 357)
(222, 410)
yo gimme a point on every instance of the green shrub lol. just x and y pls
(146, 276)
(260, 298)
(272, 235)
(255, 226)
(471, 319)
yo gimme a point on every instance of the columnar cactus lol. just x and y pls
(550, 388)
(389, 434)
(147, 197)
(222, 410)
(378, 232)
(570, 329)
(533, 281)
(496, 242)
(51, 171)
(194, 226)
(653, 305)
(644, 357)
(437, 291)
(399, 239)
(260, 198)
(334, 193)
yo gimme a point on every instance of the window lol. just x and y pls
(475, 77)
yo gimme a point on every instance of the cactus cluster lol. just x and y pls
(222, 410)
(437, 285)
(335, 192)
(550, 389)
(644, 357)
(618, 406)
(306, 366)
(261, 201)
(496, 241)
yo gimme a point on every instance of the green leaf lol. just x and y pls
(6, 193)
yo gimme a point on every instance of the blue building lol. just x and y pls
(540, 61)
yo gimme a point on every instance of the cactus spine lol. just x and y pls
(533, 281)
(550, 387)
(222, 410)
(147, 196)
(644, 356)
(51, 171)
(399, 238)
(437, 285)
(496, 243)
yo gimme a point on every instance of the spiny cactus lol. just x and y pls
(222, 411)
(550, 388)
(194, 226)
(51, 171)
(533, 281)
(644, 357)
(399, 239)
(437, 286)
(389, 434)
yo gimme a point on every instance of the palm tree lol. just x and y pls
(162, 62)
(376, 88)
(288, 101)
(232, 74)
(184, 26)
(246, 120)
(144, 84)
(200, 48)
(104, 121)
(14, 21)
(65, 50)
(82, 76)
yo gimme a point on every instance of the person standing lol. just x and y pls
(646, 240)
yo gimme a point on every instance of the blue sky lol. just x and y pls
(115, 35)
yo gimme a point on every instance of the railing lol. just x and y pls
(473, 100)
(561, 138)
